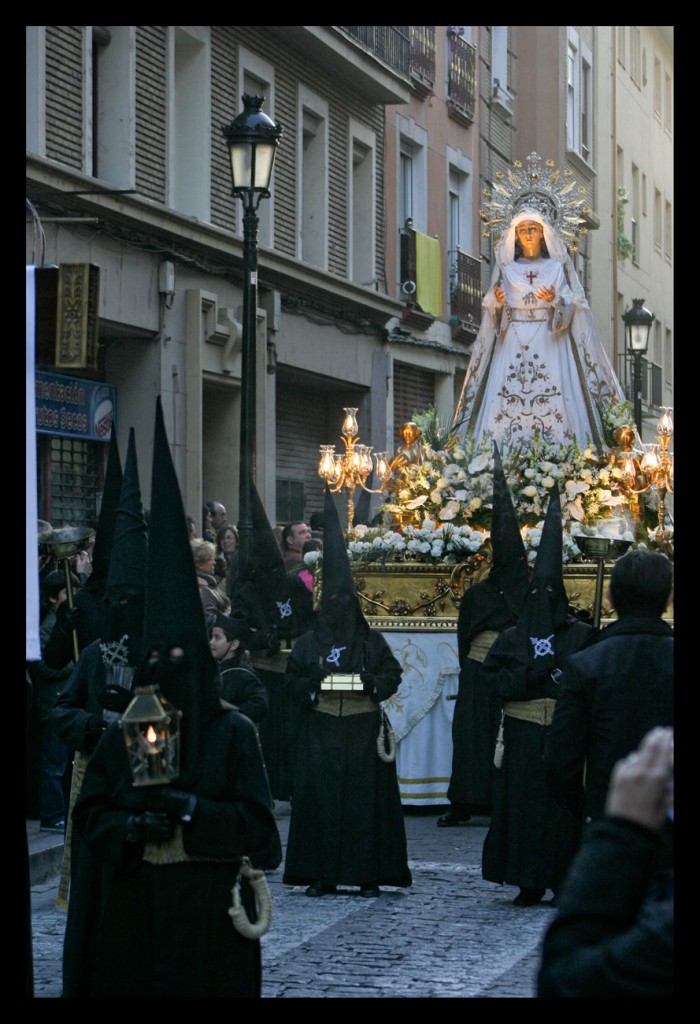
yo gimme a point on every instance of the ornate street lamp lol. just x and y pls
(252, 140)
(638, 321)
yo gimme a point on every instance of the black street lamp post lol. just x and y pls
(638, 321)
(252, 140)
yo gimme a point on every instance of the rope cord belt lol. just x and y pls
(540, 711)
(481, 645)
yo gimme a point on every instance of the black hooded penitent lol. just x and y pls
(177, 656)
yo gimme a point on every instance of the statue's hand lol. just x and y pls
(545, 294)
(499, 293)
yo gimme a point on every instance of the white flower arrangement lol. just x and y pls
(440, 510)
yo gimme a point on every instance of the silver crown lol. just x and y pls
(537, 188)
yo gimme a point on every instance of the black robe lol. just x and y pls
(278, 728)
(347, 824)
(532, 838)
(242, 687)
(165, 930)
(483, 610)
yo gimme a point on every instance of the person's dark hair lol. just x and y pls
(316, 521)
(220, 535)
(54, 582)
(641, 583)
(233, 628)
(312, 544)
(287, 533)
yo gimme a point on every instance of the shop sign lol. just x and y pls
(74, 407)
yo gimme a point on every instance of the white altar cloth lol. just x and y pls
(421, 714)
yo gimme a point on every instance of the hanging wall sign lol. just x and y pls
(74, 407)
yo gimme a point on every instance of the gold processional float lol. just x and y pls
(410, 596)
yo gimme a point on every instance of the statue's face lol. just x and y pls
(530, 234)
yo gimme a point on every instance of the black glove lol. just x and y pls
(176, 803)
(369, 683)
(67, 618)
(317, 674)
(115, 698)
(149, 827)
(272, 642)
(92, 737)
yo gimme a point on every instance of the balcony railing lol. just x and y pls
(465, 290)
(461, 79)
(391, 43)
(422, 61)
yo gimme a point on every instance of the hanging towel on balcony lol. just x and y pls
(428, 274)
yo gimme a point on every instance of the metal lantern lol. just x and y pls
(151, 727)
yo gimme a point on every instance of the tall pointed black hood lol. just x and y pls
(339, 621)
(546, 604)
(104, 534)
(126, 578)
(174, 615)
(508, 573)
(263, 592)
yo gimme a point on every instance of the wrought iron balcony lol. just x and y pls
(391, 43)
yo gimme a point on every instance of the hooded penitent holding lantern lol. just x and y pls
(532, 839)
(177, 850)
(347, 823)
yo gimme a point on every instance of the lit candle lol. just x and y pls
(155, 764)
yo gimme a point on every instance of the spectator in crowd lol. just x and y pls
(306, 574)
(217, 512)
(294, 536)
(612, 936)
(240, 684)
(616, 689)
(227, 556)
(532, 838)
(213, 599)
(47, 683)
(87, 617)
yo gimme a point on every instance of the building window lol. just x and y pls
(668, 103)
(405, 183)
(636, 207)
(189, 118)
(579, 63)
(290, 501)
(361, 206)
(313, 179)
(414, 391)
(668, 232)
(256, 78)
(501, 92)
(657, 88)
(69, 479)
(113, 86)
(622, 45)
(635, 55)
(658, 220)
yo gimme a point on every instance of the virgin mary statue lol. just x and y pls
(538, 364)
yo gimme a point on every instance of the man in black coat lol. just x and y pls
(616, 689)
(612, 935)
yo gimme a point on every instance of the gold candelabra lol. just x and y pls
(351, 468)
(651, 467)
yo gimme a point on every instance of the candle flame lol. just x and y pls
(151, 734)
